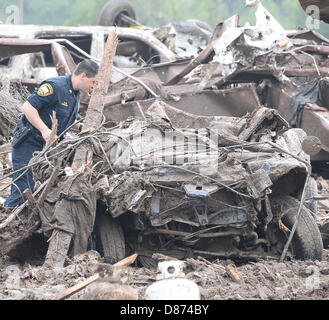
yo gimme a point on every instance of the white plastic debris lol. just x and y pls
(173, 289)
(241, 45)
(172, 284)
(264, 18)
(70, 136)
(272, 29)
(68, 171)
(13, 277)
(171, 269)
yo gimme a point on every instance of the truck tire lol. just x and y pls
(110, 240)
(307, 241)
(110, 13)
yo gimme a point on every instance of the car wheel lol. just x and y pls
(311, 192)
(110, 238)
(307, 241)
(110, 13)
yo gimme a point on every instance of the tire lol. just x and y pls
(110, 238)
(109, 15)
(307, 241)
(311, 191)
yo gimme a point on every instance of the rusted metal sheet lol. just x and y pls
(234, 102)
(309, 35)
(316, 123)
(12, 46)
(230, 102)
(312, 122)
(120, 112)
(162, 71)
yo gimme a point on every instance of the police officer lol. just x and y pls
(60, 94)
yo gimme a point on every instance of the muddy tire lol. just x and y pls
(110, 13)
(307, 242)
(110, 238)
(311, 191)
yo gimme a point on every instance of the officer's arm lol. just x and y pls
(33, 117)
(315, 107)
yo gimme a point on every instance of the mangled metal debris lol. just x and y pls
(199, 156)
(213, 185)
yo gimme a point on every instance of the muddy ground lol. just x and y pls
(219, 280)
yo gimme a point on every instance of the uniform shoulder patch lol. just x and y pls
(45, 90)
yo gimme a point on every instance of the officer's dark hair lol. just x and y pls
(89, 67)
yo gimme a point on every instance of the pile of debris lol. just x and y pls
(202, 157)
(173, 178)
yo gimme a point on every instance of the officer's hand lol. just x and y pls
(46, 133)
(315, 107)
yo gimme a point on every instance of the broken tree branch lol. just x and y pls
(94, 113)
(81, 285)
(28, 194)
(18, 210)
(59, 58)
(59, 245)
(50, 183)
(54, 126)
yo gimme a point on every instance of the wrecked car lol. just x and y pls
(138, 47)
(90, 39)
(211, 186)
(184, 185)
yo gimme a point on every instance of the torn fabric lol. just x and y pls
(71, 207)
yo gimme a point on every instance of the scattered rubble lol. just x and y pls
(262, 280)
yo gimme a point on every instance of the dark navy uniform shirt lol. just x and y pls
(56, 94)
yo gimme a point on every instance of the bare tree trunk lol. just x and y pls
(60, 240)
(94, 115)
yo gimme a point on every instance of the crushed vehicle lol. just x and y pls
(181, 185)
(212, 186)
(195, 156)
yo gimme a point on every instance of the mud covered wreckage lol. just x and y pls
(207, 155)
